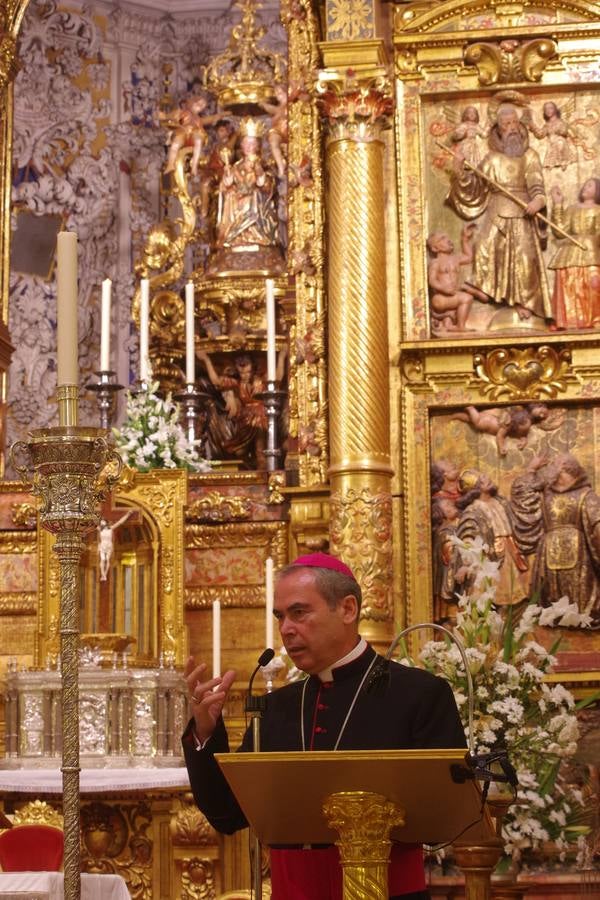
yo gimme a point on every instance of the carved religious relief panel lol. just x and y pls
(499, 185)
(518, 479)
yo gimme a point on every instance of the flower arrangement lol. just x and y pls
(515, 707)
(151, 436)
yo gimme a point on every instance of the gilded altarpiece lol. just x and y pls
(498, 362)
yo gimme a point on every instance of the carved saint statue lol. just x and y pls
(239, 430)
(576, 297)
(488, 515)
(557, 522)
(508, 265)
(247, 216)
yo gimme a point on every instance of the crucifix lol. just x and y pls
(111, 518)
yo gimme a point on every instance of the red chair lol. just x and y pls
(31, 848)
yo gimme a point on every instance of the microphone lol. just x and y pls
(257, 704)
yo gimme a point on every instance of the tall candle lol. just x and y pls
(144, 328)
(269, 593)
(271, 363)
(66, 308)
(190, 358)
(216, 638)
(105, 326)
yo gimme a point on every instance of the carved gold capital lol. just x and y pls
(355, 108)
(509, 61)
(363, 821)
(520, 374)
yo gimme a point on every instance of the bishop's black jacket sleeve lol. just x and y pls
(211, 791)
(437, 724)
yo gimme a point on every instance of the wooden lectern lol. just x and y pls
(357, 799)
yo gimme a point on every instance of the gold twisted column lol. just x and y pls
(71, 468)
(363, 821)
(360, 471)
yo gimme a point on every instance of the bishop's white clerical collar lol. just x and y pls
(327, 674)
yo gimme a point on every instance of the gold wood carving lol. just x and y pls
(17, 542)
(189, 826)
(518, 374)
(37, 812)
(9, 64)
(218, 507)
(276, 483)
(363, 821)
(24, 513)
(18, 603)
(197, 879)
(361, 524)
(240, 597)
(308, 365)
(507, 61)
(160, 495)
(271, 535)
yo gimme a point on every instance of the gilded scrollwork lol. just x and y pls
(517, 374)
(244, 534)
(197, 879)
(18, 603)
(24, 513)
(276, 483)
(308, 376)
(17, 542)
(218, 507)
(238, 597)
(189, 826)
(37, 812)
(508, 61)
(361, 524)
(9, 63)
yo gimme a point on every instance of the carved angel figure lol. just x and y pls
(511, 422)
(278, 132)
(555, 130)
(189, 130)
(470, 135)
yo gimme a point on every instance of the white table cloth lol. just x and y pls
(93, 781)
(50, 886)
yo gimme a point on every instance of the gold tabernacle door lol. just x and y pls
(283, 795)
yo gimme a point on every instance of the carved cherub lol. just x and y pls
(470, 135)
(511, 422)
(565, 129)
(450, 296)
(278, 132)
(189, 130)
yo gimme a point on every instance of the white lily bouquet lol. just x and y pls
(151, 436)
(516, 707)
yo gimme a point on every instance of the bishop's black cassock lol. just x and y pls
(397, 708)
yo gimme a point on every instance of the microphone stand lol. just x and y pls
(255, 706)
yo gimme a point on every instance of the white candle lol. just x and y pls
(105, 326)
(144, 328)
(269, 602)
(190, 358)
(66, 308)
(271, 362)
(216, 638)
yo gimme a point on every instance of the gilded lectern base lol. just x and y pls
(363, 821)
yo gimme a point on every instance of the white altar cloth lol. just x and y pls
(93, 781)
(50, 886)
